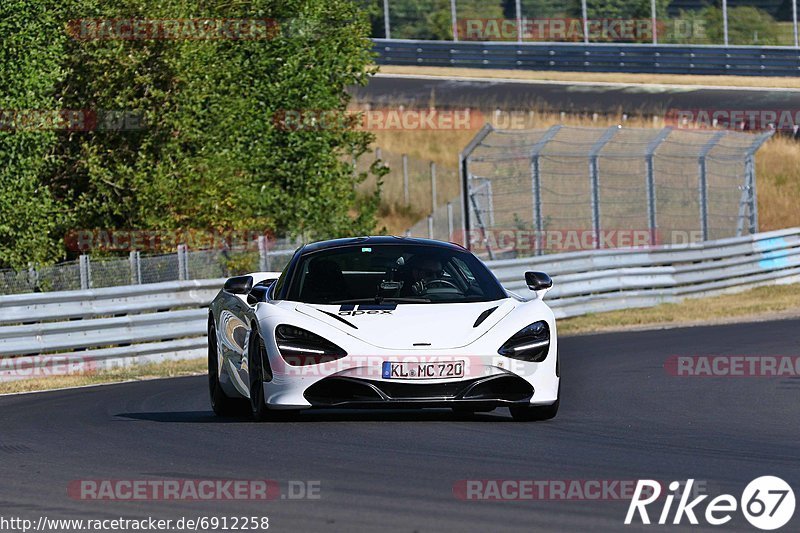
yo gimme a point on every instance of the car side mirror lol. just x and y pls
(538, 282)
(238, 285)
(259, 292)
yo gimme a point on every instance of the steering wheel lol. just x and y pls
(443, 282)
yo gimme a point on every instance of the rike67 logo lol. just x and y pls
(767, 503)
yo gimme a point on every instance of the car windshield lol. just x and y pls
(396, 273)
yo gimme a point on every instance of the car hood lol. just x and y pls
(412, 326)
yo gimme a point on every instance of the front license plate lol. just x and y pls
(442, 370)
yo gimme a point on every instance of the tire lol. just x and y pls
(533, 413)
(256, 361)
(221, 404)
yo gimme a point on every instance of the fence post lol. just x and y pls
(585, 22)
(536, 185)
(654, 19)
(454, 19)
(430, 226)
(703, 182)
(463, 168)
(263, 253)
(85, 272)
(651, 181)
(594, 176)
(405, 178)
(449, 221)
(433, 187)
(181, 261)
(386, 27)
(749, 199)
(136, 268)
(378, 153)
(725, 21)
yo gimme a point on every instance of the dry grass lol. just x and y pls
(167, 369)
(602, 77)
(777, 170)
(772, 300)
(778, 184)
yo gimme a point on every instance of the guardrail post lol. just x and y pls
(449, 221)
(651, 181)
(536, 185)
(85, 271)
(594, 176)
(463, 167)
(794, 23)
(405, 178)
(433, 187)
(430, 226)
(518, 11)
(703, 182)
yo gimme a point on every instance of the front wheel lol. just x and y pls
(221, 404)
(259, 370)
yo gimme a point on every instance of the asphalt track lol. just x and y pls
(622, 417)
(568, 97)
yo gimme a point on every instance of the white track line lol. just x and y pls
(665, 86)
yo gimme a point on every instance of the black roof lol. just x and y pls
(378, 239)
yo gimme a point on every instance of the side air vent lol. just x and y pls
(483, 316)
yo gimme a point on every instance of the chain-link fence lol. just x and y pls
(88, 272)
(687, 22)
(568, 188)
(424, 189)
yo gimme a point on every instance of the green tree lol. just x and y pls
(31, 57)
(210, 153)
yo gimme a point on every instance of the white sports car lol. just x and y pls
(382, 322)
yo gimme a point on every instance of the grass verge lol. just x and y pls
(775, 82)
(772, 301)
(167, 369)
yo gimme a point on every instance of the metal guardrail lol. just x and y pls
(104, 328)
(613, 279)
(641, 58)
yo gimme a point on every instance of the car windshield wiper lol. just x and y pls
(379, 300)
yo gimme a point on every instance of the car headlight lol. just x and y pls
(531, 343)
(299, 347)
